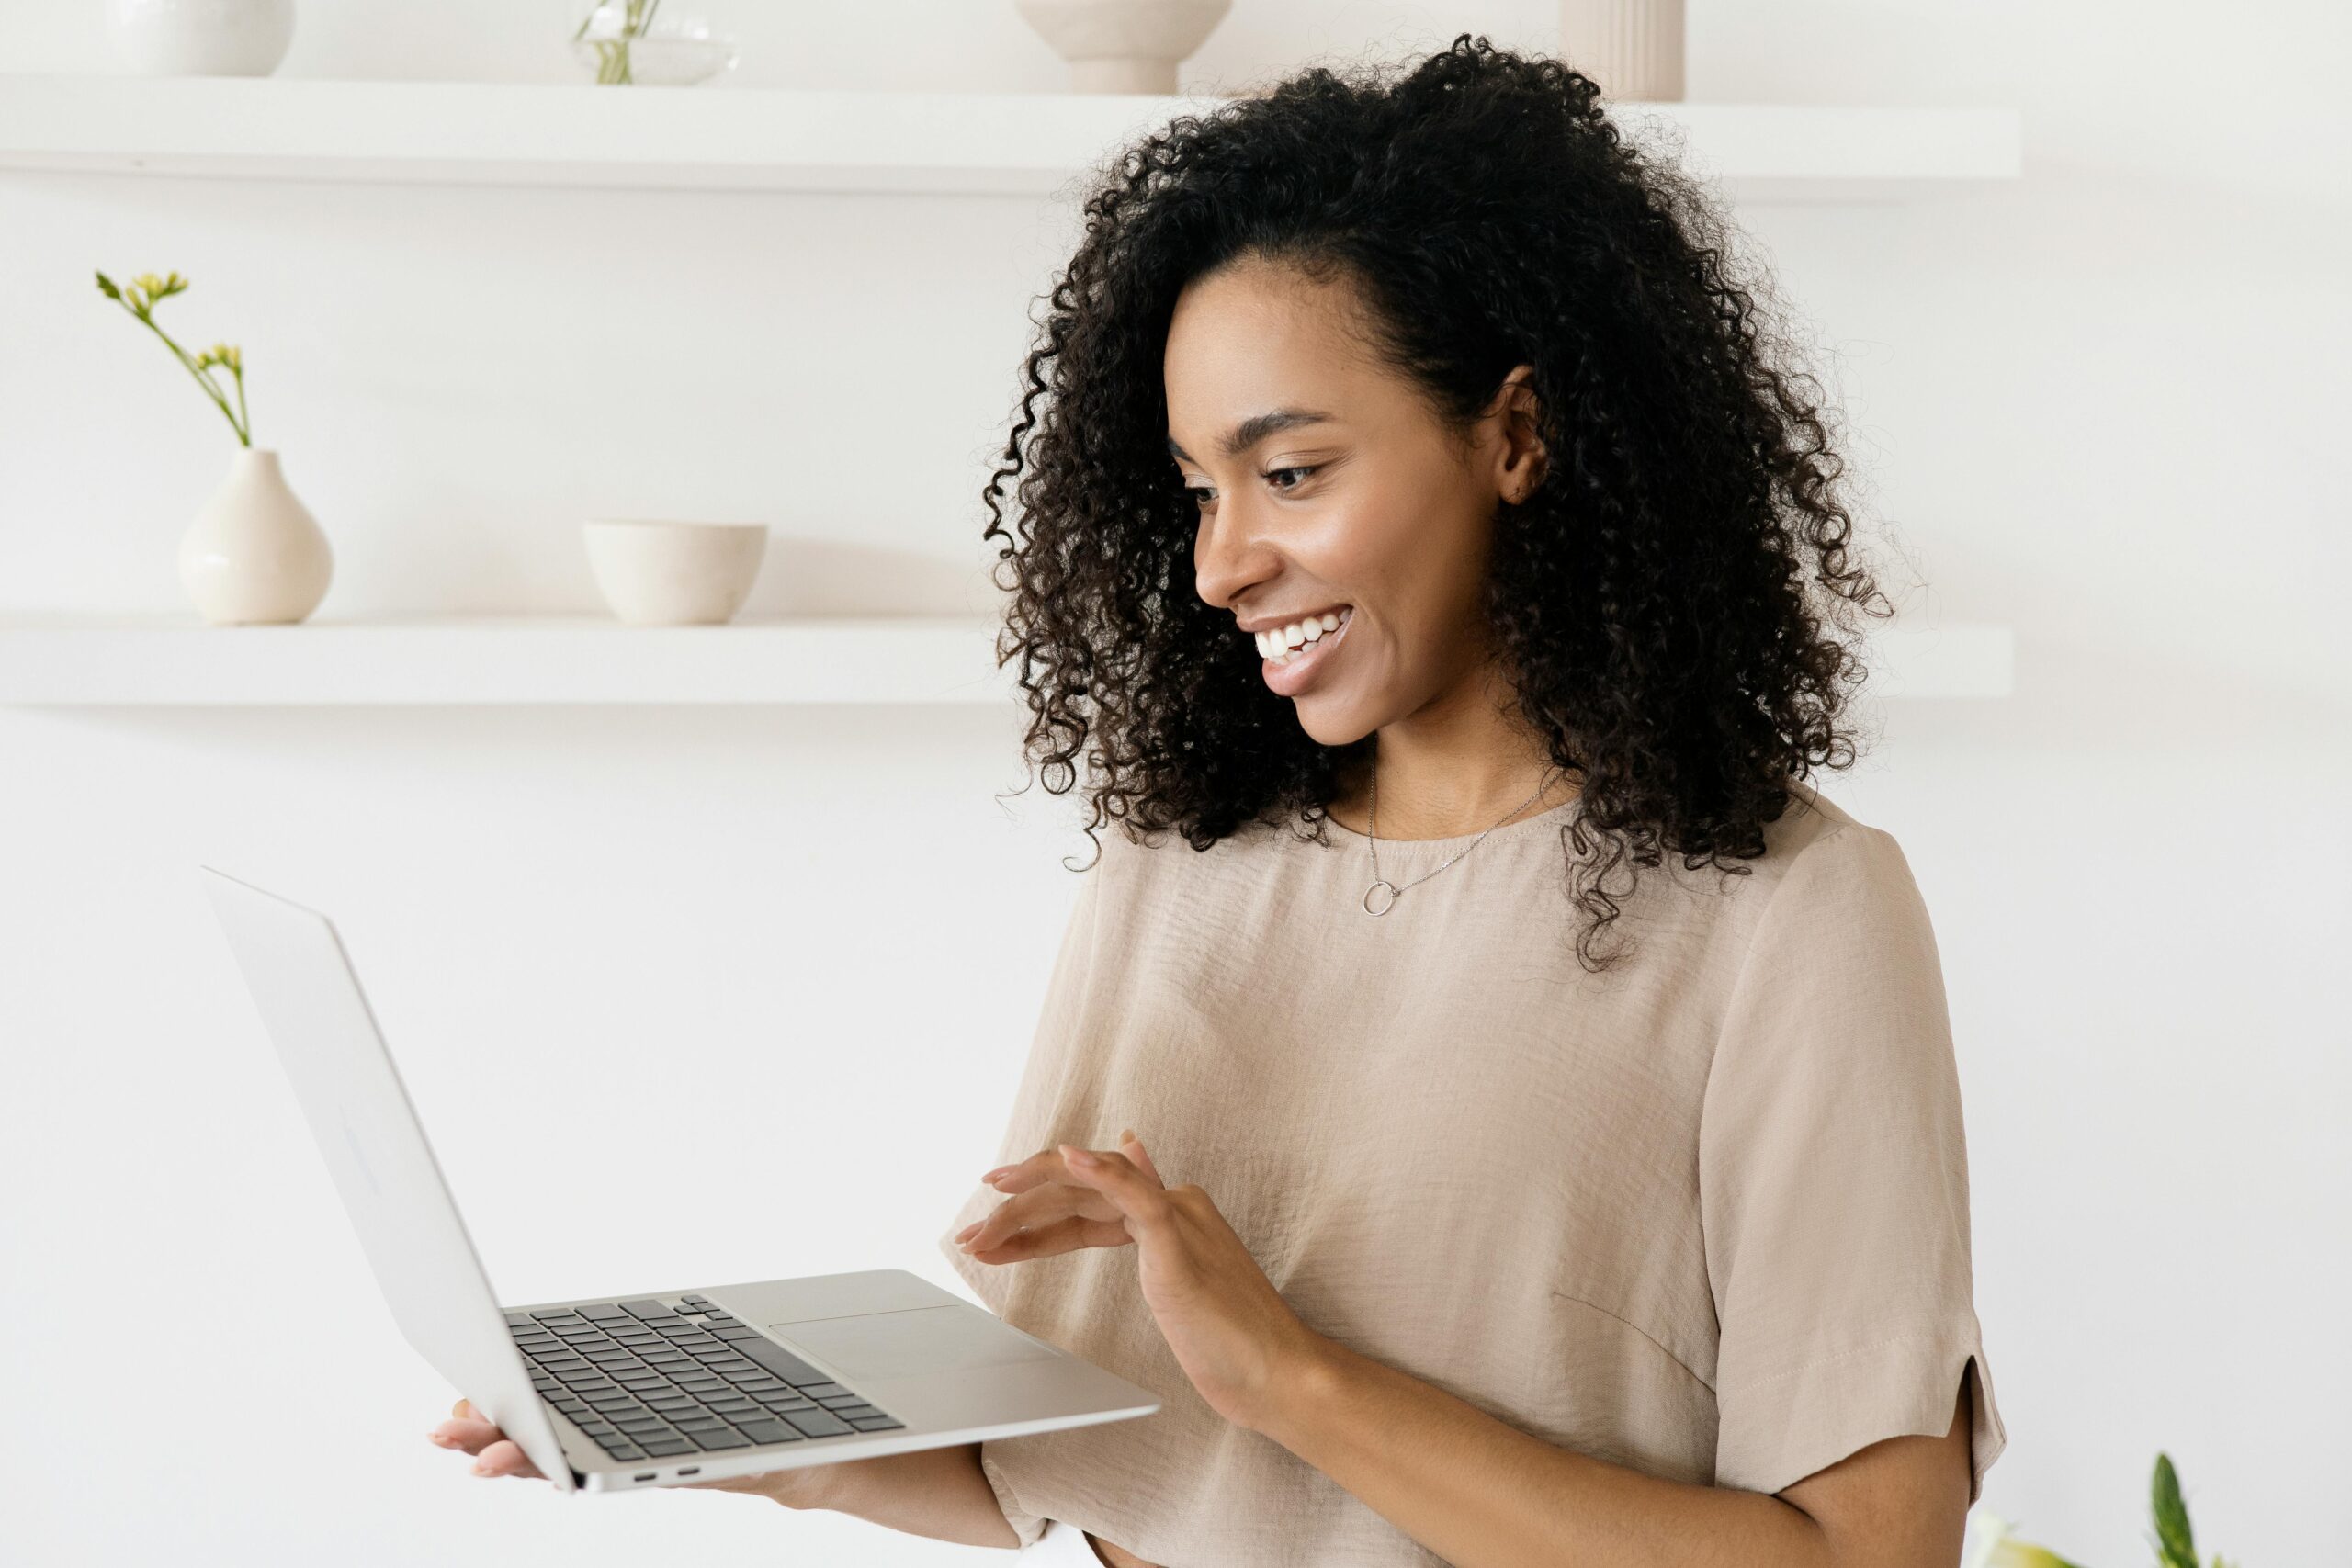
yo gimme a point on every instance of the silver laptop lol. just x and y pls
(641, 1388)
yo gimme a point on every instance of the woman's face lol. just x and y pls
(1343, 497)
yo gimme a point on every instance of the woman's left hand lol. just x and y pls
(1232, 1333)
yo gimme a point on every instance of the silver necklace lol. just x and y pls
(1372, 842)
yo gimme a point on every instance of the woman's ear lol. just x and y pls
(1523, 461)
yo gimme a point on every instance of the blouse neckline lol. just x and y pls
(1548, 820)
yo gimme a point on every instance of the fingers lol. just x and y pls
(1058, 1205)
(1025, 1174)
(1031, 1212)
(471, 1436)
(1139, 1197)
(1048, 1165)
(495, 1452)
(504, 1458)
(1132, 1146)
(1065, 1235)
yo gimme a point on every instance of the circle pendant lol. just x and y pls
(1386, 904)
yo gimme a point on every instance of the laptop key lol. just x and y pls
(815, 1388)
(761, 1430)
(817, 1423)
(874, 1423)
(661, 1448)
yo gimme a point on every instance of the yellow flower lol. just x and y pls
(155, 289)
(1992, 1545)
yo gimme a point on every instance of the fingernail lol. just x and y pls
(1079, 1157)
(967, 1233)
(987, 1175)
(1128, 1137)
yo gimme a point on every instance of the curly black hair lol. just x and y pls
(1650, 595)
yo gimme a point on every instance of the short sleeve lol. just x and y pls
(1049, 1058)
(1833, 1177)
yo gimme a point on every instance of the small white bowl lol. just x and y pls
(655, 572)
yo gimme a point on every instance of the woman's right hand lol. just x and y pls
(497, 1454)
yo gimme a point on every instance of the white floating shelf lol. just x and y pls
(179, 661)
(723, 138)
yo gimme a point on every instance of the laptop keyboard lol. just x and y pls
(646, 1378)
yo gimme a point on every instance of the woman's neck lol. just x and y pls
(1445, 802)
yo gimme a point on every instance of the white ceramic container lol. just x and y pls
(254, 556)
(1124, 46)
(201, 37)
(655, 572)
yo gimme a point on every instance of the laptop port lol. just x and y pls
(691, 1470)
(647, 1475)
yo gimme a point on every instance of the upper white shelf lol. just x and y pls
(179, 661)
(791, 139)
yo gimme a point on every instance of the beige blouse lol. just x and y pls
(1704, 1216)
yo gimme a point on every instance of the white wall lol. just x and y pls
(793, 957)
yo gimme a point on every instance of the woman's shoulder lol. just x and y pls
(1815, 853)
(1812, 830)
(1826, 871)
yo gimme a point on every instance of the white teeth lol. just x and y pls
(1282, 644)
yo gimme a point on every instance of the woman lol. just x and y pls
(1419, 528)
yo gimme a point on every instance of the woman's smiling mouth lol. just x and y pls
(1293, 656)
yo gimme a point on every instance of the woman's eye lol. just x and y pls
(1202, 494)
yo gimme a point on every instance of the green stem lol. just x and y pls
(244, 420)
(202, 379)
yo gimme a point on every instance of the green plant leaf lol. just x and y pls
(107, 287)
(2175, 1545)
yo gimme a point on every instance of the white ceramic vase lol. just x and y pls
(1632, 48)
(254, 556)
(201, 37)
(1124, 46)
(655, 572)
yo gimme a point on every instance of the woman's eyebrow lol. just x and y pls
(1256, 428)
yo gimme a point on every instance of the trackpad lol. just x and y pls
(913, 1343)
